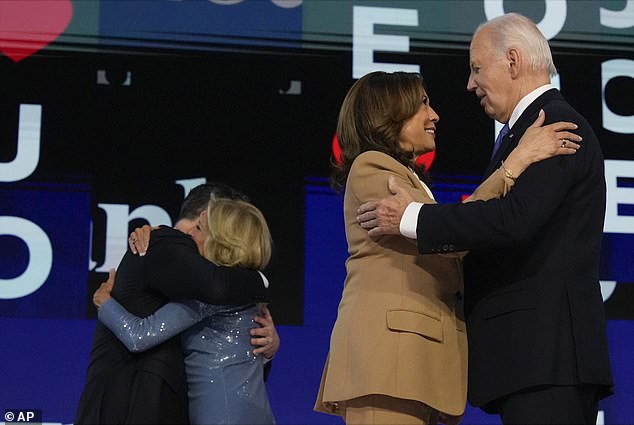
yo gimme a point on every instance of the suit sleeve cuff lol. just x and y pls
(409, 221)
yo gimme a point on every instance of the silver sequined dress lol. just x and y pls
(225, 380)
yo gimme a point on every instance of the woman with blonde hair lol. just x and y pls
(225, 380)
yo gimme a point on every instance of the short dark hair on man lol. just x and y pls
(197, 199)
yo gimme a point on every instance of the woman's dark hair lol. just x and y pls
(372, 116)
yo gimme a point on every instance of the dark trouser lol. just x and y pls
(551, 405)
(134, 397)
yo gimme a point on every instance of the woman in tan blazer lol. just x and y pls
(398, 350)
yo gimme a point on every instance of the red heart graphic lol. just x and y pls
(425, 159)
(27, 26)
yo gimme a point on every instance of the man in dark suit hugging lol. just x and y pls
(535, 319)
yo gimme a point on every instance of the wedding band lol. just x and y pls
(563, 143)
(133, 240)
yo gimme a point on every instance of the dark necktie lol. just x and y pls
(498, 141)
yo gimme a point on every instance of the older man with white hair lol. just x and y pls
(535, 319)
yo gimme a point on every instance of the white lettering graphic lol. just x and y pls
(28, 152)
(615, 223)
(25, 416)
(117, 219)
(284, 4)
(550, 26)
(611, 69)
(607, 288)
(618, 18)
(287, 4)
(365, 42)
(40, 257)
(189, 184)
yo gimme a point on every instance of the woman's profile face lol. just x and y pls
(419, 132)
(199, 231)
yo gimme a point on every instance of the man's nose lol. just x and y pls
(471, 84)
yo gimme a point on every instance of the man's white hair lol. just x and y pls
(513, 30)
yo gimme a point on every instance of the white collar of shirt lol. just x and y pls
(527, 100)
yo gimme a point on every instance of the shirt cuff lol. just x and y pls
(409, 221)
(266, 281)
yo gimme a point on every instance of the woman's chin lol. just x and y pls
(424, 151)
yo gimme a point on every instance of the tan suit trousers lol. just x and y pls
(385, 410)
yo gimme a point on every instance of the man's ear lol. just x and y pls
(203, 219)
(514, 59)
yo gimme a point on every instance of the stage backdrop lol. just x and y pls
(110, 111)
